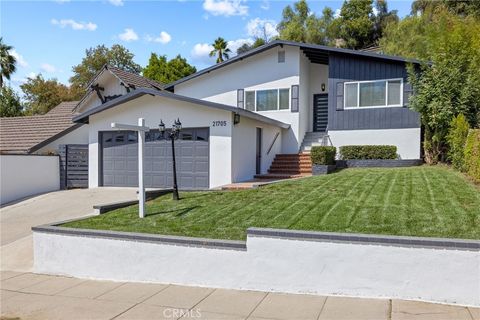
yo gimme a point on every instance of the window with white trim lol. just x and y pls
(267, 100)
(373, 94)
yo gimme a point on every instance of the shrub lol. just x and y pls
(472, 154)
(457, 135)
(323, 155)
(367, 152)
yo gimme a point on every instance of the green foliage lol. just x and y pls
(448, 86)
(9, 103)
(323, 155)
(368, 152)
(472, 154)
(247, 47)
(41, 95)
(456, 138)
(96, 57)
(458, 7)
(163, 71)
(302, 25)
(220, 49)
(7, 62)
(356, 27)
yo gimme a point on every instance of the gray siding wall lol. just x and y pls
(346, 68)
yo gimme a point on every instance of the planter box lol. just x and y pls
(378, 163)
(318, 169)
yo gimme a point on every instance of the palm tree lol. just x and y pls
(220, 49)
(7, 62)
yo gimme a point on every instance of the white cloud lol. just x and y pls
(265, 5)
(128, 35)
(116, 3)
(233, 45)
(337, 13)
(225, 8)
(201, 52)
(163, 38)
(20, 60)
(74, 24)
(48, 68)
(261, 28)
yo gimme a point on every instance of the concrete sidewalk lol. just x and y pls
(34, 296)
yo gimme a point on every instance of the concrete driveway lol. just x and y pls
(16, 220)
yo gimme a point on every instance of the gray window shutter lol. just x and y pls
(240, 97)
(339, 96)
(407, 93)
(294, 97)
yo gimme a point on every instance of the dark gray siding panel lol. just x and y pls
(346, 68)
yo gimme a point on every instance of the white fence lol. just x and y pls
(27, 175)
(270, 263)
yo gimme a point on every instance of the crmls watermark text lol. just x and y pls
(173, 313)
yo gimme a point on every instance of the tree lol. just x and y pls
(220, 49)
(300, 24)
(247, 47)
(42, 95)
(95, 58)
(161, 70)
(447, 86)
(459, 7)
(7, 62)
(356, 24)
(383, 18)
(9, 103)
(456, 138)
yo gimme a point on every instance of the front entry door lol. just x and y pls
(320, 112)
(259, 151)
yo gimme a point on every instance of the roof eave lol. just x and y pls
(83, 118)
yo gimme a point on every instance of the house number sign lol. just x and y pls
(219, 123)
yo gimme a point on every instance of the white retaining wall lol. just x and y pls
(26, 175)
(271, 264)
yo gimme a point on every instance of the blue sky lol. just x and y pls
(50, 37)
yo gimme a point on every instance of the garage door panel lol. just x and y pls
(120, 159)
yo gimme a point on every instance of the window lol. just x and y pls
(373, 94)
(250, 100)
(267, 100)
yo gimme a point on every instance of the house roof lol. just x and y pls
(83, 118)
(319, 53)
(134, 80)
(30, 133)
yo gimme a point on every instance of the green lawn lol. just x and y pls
(419, 201)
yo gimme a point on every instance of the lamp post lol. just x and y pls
(173, 135)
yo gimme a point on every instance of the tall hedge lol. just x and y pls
(368, 152)
(472, 154)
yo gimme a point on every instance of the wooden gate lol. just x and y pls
(73, 166)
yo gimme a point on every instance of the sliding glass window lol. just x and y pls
(373, 94)
(267, 100)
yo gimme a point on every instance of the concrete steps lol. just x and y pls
(312, 139)
(287, 166)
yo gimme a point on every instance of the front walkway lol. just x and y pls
(34, 296)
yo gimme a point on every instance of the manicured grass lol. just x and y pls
(419, 201)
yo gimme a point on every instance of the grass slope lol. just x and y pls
(419, 201)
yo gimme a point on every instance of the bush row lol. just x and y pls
(368, 152)
(326, 155)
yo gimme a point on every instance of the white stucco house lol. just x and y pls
(239, 115)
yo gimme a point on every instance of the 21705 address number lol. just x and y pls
(219, 123)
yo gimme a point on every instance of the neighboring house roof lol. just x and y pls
(128, 79)
(30, 133)
(316, 53)
(134, 80)
(142, 91)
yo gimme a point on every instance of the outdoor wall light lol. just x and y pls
(323, 86)
(236, 118)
